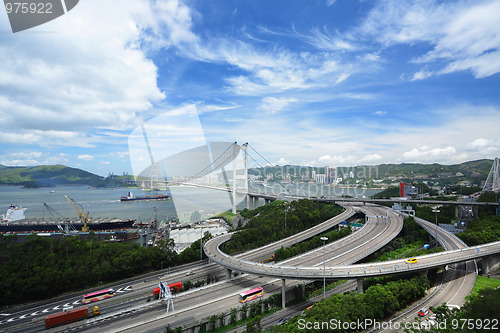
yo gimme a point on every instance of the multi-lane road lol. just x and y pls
(455, 285)
(136, 292)
(131, 312)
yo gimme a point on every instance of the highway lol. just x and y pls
(212, 249)
(222, 296)
(132, 293)
(456, 284)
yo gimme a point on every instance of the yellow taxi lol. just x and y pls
(412, 261)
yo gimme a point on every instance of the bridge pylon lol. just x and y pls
(236, 176)
(493, 181)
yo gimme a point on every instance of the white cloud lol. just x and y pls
(31, 159)
(274, 104)
(85, 157)
(426, 152)
(282, 161)
(465, 35)
(380, 113)
(370, 159)
(89, 72)
(484, 147)
(323, 40)
(479, 143)
(210, 108)
(420, 75)
(348, 160)
(271, 69)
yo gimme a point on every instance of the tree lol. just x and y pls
(254, 325)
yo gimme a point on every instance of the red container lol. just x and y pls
(66, 317)
(177, 286)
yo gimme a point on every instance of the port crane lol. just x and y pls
(68, 227)
(154, 176)
(81, 215)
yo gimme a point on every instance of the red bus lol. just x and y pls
(251, 294)
(174, 287)
(98, 295)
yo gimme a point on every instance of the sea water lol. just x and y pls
(184, 202)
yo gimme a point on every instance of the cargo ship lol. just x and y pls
(131, 197)
(14, 221)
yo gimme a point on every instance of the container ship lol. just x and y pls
(131, 197)
(14, 221)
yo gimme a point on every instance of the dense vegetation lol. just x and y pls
(377, 302)
(51, 175)
(446, 214)
(411, 233)
(488, 197)
(308, 245)
(482, 230)
(267, 223)
(43, 267)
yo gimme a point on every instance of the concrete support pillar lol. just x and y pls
(228, 274)
(485, 265)
(360, 286)
(267, 201)
(255, 202)
(283, 293)
(456, 211)
(249, 200)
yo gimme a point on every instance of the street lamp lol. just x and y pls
(324, 239)
(436, 211)
(286, 208)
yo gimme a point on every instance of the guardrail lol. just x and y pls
(212, 249)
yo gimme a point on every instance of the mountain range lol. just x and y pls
(473, 172)
(49, 176)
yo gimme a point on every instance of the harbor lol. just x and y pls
(177, 219)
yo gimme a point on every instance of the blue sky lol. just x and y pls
(337, 83)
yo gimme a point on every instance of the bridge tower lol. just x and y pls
(237, 177)
(493, 181)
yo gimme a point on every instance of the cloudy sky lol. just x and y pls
(317, 82)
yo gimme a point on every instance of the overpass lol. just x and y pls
(404, 201)
(359, 271)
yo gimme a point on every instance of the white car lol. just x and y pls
(67, 307)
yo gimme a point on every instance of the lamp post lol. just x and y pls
(436, 211)
(286, 208)
(201, 242)
(324, 239)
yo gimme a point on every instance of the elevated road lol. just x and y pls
(407, 201)
(266, 251)
(341, 200)
(456, 283)
(212, 249)
(377, 232)
(222, 296)
(141, 288)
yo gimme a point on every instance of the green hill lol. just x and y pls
(50, 175)
(473, 172)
